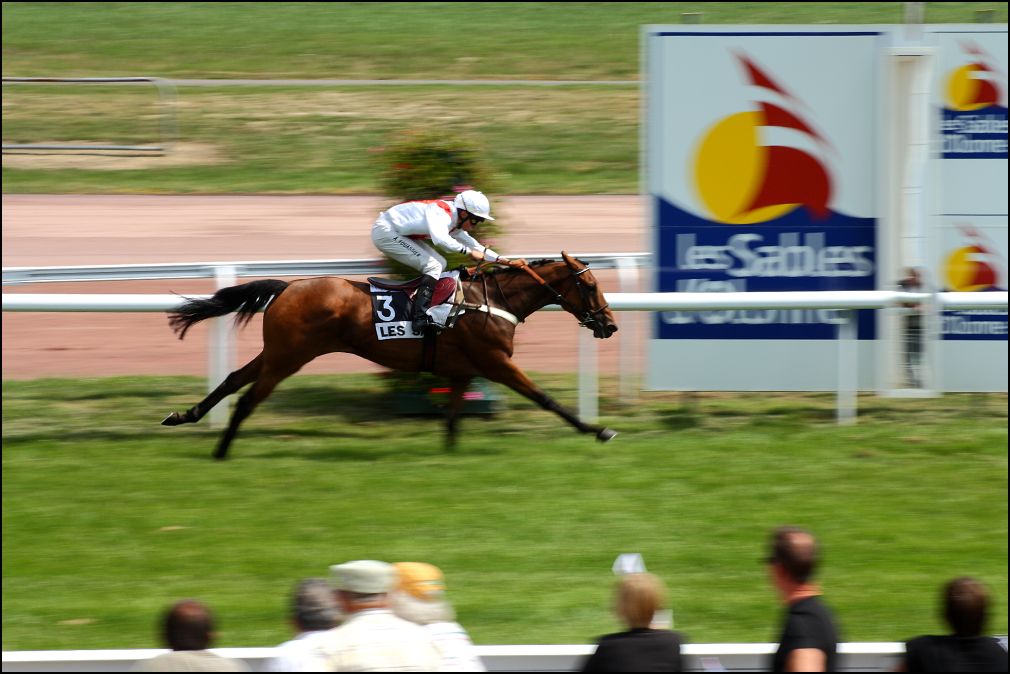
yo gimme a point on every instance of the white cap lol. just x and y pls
(474, 202)
(365, 576)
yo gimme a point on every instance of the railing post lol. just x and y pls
(588, 377)
(848, 369)
(221, 350)
(627, 273)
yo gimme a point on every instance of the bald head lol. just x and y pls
(795, 551)
(189, 626)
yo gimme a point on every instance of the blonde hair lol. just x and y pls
(639, 596)
(420, 611)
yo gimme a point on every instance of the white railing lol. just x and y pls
(221, 359)
(828, 299)
(845, 301)
(853, 657)
(349, 267)
(166, 104)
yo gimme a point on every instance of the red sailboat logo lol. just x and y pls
(973, 86)
(744, 178)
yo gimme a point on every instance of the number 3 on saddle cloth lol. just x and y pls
(391, 305)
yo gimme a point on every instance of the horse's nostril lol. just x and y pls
(611, 329)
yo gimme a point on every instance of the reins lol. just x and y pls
(588, 315)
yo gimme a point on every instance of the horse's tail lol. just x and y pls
(246, 299)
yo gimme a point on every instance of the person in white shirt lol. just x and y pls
(406, 232)
(371, 638)
(419, 596)
(314, 610)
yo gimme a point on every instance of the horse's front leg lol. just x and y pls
(504, 371)
(457, 389)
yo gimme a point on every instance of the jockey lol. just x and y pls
(406, 231)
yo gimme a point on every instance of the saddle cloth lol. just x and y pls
(391, 305)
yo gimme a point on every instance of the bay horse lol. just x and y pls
(310, 317)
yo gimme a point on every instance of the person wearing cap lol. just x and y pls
(407, 231)
(372, 638)
(313, 611)
(419, 596)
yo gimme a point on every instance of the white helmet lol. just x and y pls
(474, 202)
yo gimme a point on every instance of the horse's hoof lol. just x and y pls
(173, 419)
(606, 435)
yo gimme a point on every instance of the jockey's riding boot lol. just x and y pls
(422, 300)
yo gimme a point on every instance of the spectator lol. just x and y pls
(641, 648)
(912, 328)
(419, 596)
(188, 629)
(966, 609)
(313, 611)
(371, 637)
(809, 636)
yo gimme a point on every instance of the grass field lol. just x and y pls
(385, 40)
(107, 516)
(541, 140)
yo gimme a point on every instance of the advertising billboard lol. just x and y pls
(970, 103)
(761, 159)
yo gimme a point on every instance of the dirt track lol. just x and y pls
(107, 230)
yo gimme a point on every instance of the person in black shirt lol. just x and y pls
(966, 609)
(809, 637)
(641, 648)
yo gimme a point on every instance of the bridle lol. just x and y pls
(590, 318)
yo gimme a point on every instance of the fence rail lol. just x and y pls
(349, 267)
(846, 301)
(853, 657)
(830, 299)
(167, 126)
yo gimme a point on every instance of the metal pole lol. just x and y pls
(627, 273)
(848, 369)
(221, 350)
(588, 377)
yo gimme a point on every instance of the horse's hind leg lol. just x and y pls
(256, 394)
(233, 382)
(505, 372)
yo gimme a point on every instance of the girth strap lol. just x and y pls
(494, 311)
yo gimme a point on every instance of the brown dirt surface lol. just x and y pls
(64, 230)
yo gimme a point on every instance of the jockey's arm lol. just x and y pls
(475, 249)
(438, 223)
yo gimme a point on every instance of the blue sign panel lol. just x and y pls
(787, 254)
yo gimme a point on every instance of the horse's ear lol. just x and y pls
(569, 260)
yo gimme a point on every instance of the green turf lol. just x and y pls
(108, 516)
(542, 140)
(309, 140)
(384, 40)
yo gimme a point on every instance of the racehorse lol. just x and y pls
(307, 318)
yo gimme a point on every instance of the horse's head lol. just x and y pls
(582, 296)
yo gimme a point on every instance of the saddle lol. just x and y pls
(444, 287)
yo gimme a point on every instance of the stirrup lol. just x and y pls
(423, 322)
